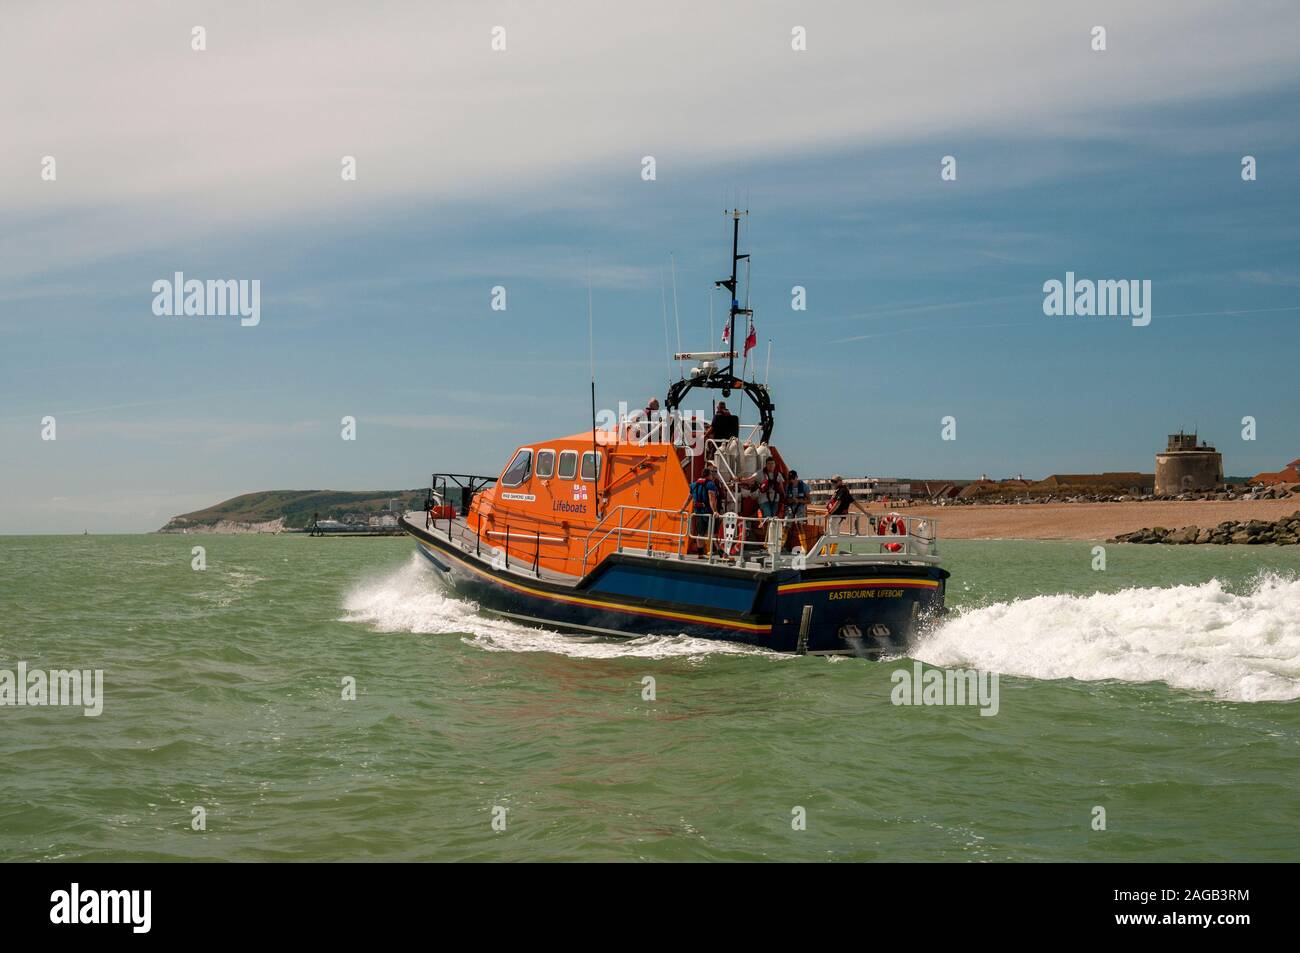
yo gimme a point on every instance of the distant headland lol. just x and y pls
(278, 511)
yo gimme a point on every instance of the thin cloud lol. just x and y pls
(432, 114)
(948, 329)
(1284, 279)
(432, 422)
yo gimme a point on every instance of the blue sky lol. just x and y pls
(924, 296)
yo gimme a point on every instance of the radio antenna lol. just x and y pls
(591, 337)
(663, 305)
(591, 350)
(676, 317)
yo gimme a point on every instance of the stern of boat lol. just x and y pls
(867, 611)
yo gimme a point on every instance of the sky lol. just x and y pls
(523, 168)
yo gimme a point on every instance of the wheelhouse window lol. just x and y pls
(545, 464)
(590, 466)
(568, 464)
(521, 467)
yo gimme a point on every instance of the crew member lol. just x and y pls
(771, 490)
(796, 497)
(893, 526)
(649, 417)
(704, 503)
(840, 503)
(724, 425)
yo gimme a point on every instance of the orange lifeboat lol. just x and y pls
(597, 532)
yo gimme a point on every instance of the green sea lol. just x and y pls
(1161, 690)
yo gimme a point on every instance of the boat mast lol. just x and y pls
(730, 285)
(717, 376)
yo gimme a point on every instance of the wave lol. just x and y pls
(410, 599)
(1199, 638)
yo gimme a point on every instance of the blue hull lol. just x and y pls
(855, 609)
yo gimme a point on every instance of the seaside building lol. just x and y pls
(1186, 467)
(864, 489)
(1288, 474)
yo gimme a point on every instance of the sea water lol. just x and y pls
(324, 699)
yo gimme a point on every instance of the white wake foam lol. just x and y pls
(1196, 638)
(1203, 638)
(410, 599)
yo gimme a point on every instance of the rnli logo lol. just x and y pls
(579, 492)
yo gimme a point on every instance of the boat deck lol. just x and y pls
(457, 533)
(844, 549)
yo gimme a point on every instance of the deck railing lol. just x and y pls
(775, 542)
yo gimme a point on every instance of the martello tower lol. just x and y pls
(1187, 467)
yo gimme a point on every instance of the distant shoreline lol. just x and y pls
(990, 521)
(1088, 521)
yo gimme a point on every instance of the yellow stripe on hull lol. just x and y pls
(596, 603)
(873, 583)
